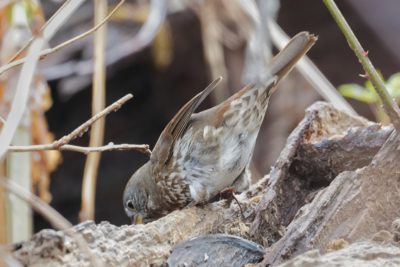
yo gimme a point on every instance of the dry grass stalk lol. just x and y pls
(88, 193)
(53, 216)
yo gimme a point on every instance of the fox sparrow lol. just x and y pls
(199, 154)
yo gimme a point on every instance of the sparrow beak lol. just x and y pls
(137, 219)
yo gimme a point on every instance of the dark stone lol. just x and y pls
(216, 250)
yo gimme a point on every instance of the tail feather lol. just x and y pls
(285, 60)
(250, 103)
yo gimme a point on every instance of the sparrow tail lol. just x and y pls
(285, 60)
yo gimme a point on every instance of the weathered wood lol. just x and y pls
(286, 191)
(360, 254)
(356, 205)
(321, 161)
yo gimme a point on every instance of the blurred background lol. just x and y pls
(197, 41)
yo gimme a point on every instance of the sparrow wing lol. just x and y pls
(162, 151)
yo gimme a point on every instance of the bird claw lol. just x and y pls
(229, 194)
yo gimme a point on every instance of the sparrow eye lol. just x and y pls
(129, 204)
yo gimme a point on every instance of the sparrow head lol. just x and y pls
(137, 201)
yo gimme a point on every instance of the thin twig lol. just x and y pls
(81, 149)
(45, 52)
(62, 143)
(120, 52)
(68, 5)
(85, 126)
(390, 107)
(53, 216)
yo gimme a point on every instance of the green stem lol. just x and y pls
(389, 105)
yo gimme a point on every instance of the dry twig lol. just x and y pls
(53, 23)
(45, 52)
(120, 52)
(81, 149)
(85, 126)
(62, 144)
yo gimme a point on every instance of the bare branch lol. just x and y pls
(62, 144)
(45, 52)
(85, 126)
(81, 149)
(66, 8)
(120, 52)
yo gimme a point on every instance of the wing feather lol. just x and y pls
(164, 147)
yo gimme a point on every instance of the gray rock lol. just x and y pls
(215, 250)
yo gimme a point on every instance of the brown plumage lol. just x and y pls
(199, 155)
